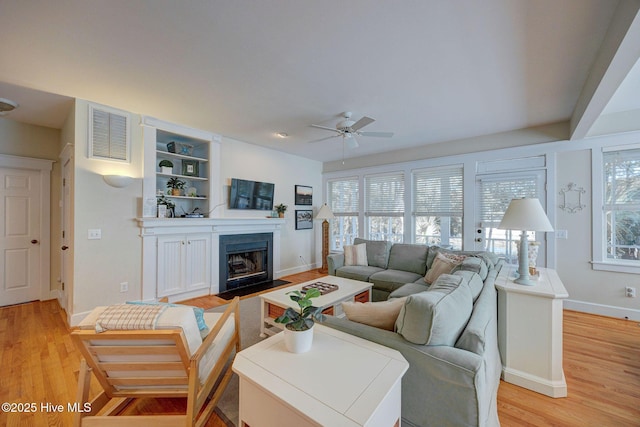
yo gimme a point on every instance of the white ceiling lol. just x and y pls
(430, 71)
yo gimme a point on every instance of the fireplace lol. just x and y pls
(245, 260)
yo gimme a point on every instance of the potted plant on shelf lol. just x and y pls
(176, 185)
(170, 207)
(166, 166)
(281, 209)
(298, 325)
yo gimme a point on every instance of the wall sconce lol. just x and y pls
(117, 181)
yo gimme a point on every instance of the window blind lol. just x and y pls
(343, 196)
(438, 192)
(494, 196)
(622, 180)
(384, 195)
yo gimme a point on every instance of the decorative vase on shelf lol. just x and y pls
(175, 191)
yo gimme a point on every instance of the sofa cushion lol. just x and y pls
(389, 280)
(407, 257)
(473, 280)
(355, 254)
(409, 289)
(357, 272)
(444, 263)
(437, 316)
(377, 251)
(380, 315)
(474, 264)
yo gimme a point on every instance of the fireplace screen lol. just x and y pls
(245, 260)
(245, 264)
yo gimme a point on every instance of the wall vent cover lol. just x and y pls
(109, 134)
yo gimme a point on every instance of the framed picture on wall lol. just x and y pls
(304, 219)
(304, 195)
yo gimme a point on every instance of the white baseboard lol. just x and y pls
(295, 270)
(541, 385)
(602, 310)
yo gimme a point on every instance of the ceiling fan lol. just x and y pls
(349, 129)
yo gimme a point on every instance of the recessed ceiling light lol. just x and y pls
(6, 106)
(282, 135)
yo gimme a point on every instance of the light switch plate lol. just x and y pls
(95, 234)
(562, 234)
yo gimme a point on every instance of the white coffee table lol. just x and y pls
(343, 380)
(273, 304)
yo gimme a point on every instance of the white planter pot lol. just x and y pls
(298, 341)
(166, 169)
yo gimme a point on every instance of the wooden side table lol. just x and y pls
(343, 380)
(530, 331)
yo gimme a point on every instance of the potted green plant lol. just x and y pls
(166, 166)
(176, 185)
(281, 209)
(170, 206)
(298, 324)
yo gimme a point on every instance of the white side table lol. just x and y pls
(343, 380)
(530, 331)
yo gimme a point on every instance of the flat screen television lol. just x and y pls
(245, 194)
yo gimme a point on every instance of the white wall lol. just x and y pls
(101, 265)
(247, 161)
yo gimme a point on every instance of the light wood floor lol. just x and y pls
(39, 365)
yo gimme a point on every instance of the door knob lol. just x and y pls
(34, 242)
(64, 248)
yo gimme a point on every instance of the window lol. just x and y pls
(494, 195)
(437, 206)
(108, 134)
(621, 207)
(343, 201)
(384, 207)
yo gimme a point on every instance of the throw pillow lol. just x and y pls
(380, 315)
(197, 311)
(437, 316)
(355, 254)
(443, 264)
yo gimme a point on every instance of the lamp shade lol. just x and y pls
(325, 213)
(525, 214)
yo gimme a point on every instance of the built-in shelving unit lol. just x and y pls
(195, 156)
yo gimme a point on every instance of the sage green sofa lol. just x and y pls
(447, 331)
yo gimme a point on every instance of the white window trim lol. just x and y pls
(600, 262)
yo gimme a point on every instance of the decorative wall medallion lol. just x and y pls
(572, 198)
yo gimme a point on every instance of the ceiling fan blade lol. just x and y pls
(362, 123)
(326, 128)
(323, 139)
(351, 142)
(377, 134)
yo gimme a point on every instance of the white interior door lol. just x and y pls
(20, 235)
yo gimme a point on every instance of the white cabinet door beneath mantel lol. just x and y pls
(183, 263)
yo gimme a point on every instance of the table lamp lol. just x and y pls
(525, 214)
(325, 215)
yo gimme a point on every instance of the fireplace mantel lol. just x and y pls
(151, 229)
(154, 226)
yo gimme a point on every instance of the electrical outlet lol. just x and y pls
(124, 287)
(630, 292)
